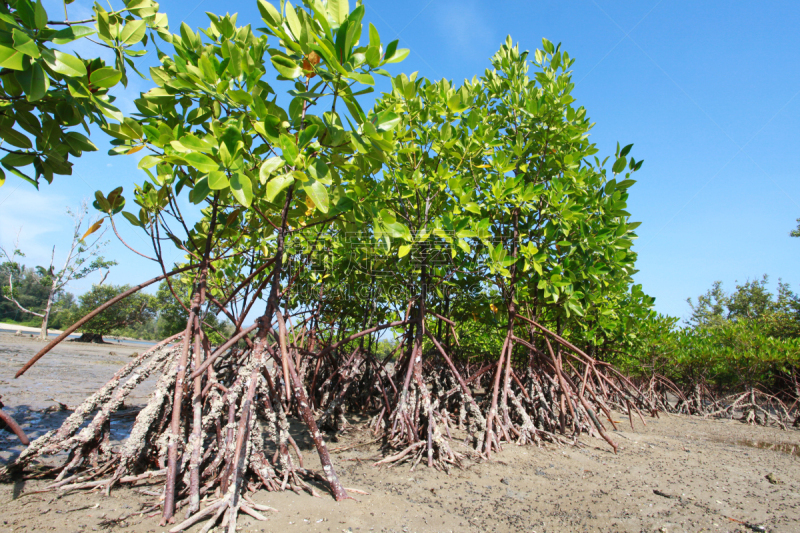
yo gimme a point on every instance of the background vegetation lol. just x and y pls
(143, 316)
(746, 338)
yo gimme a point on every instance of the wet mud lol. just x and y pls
(678, 473)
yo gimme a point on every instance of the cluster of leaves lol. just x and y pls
(490, 196)
(173, 312)
(216, 134)
(46, 92)
(143, 315)
(134, 310)
(490, 187)
(744, 338)
(214, 129)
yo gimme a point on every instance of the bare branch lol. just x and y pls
(14, 301)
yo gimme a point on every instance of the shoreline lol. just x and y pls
(11, 329)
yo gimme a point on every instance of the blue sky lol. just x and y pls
(708, 92)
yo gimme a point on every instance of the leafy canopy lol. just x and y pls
(46, 92)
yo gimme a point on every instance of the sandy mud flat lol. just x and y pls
(677, 473)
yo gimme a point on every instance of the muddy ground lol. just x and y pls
(677, 473)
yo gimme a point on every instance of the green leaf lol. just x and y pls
(329, 55)
(107, 109)
(101, 203)
(318, 194)
(15, 138)
(387, 216)
(17, 160)
(191, 142)
(289, 148)
(26, 13)
(472, 207)
(105, 77)
(217, 180)
(455, 104)
(25, 44)
(398, 231)
(235, 63)
(133, 32)
(374, 38)
(575, 306)
(354, 108)
(80, 142)
(307, 135)
(201, 162)
(35, 82)
(67, 35)
(19, 174)
(177, 145)
(240, 97)
(403, 250)
(300, 176)
(129, 129)
(269, 13)
(619, 165)
(68, 65)
(398, 55)
(364, 79)
(386, 121)
(338, 10)
(373, 56)
(242, 189)
(508, 261)
(293, 21)
(200, 191)
(286, 67)
(39, 15)
(390, 49)
(148, 161)
(277, 185)
(497, 253)
(132, 219)
(12, 59)
(320, 172)
(268, 167)
(625, 150)
(207, 69)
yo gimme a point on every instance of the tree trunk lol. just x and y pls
(91, 337)
(46, 317)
